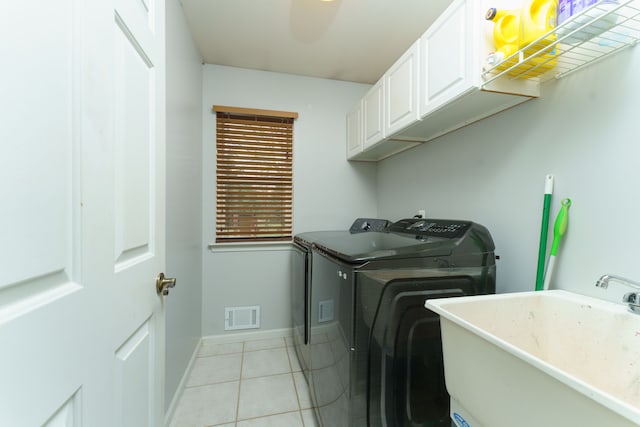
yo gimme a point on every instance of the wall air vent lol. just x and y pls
(241, 317)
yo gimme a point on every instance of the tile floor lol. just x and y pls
(255, 383)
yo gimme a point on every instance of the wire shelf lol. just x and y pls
(594, 34)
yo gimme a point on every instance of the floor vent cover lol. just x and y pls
(241, 317)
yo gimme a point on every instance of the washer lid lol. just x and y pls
(355, 248)
(407, 238)
(360, 225)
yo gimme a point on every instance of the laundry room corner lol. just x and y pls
(328, 192)
(183, 208)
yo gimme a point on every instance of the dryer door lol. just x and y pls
(406, 383)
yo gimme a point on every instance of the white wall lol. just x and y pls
(184, 204)
(328, 191)
(584, 131)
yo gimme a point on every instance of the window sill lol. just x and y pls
(249, 247)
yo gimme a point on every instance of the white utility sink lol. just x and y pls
(540, 359)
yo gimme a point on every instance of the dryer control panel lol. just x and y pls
(445, 228)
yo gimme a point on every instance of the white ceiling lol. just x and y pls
(351, 40)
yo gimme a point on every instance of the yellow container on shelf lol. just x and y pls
(515, 29)
(506, 31)
(539, 18)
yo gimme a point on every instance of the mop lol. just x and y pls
(559, 228)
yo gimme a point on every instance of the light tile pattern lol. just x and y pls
(254, 383)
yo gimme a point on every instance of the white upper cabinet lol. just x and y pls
(446, 55)
(436, 87)
(355, 140)
(388, 107)
(444, 80)
(373, 115)
(452, 91)
(401, 91)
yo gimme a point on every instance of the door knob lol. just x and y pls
(164, 283)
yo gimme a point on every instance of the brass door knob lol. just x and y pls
(164, 283)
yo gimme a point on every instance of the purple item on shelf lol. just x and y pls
(564, 11)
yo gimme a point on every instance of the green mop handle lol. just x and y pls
(544, 229)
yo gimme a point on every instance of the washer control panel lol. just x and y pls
(445, 228)
(362, 225)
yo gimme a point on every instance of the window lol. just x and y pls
(254, 174)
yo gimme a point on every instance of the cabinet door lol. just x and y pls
(446, 58)
(372, 114)
(401, 91)
(354, 131)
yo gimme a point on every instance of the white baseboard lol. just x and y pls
(249, 335)
(171, 410)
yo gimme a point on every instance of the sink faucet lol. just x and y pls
(630, 298)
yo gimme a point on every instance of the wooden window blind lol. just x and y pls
(254, 174)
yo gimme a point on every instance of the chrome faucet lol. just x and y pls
(630, 298)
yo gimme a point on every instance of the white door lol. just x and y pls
(82, 218)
